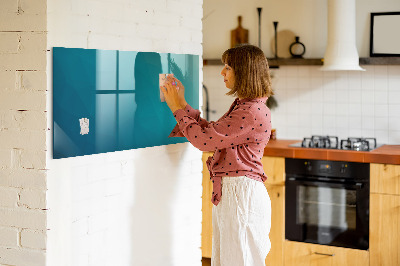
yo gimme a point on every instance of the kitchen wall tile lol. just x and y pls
(315, 72)
(394, 97)
(367, 133)
(304, 109)
(316, 82)
(328, 74)
(394, 137)
(317, 108)
(342, 80)
(291, 133)
(394, 124)
(304, 72)
(368, 122)
(342, 109)
(355, 132)
(354, 80)
(278, 83)
(394, 110)
(381, 84)
(355, 109)
(367, 96)
(381, 123)
(380, 71)
(369, 70)
(291, 71)
(342, 122)
(317, 121)
(305, 95)
(304, 131)
(393, 71)
(329, 122)
(292, 83)
(394, 82)
(381, 136)
(304, 82)
(381, 110)
(342, 133)
(355, 75)
(367, 83)
(317, 95)
(381, 97)
(329, 93)
(367, 110)
(355, 96)
(342, 96)
(317, 131)
(293, 120)
(355, 122)
(278, 71)
(365, 99)
(329, 109)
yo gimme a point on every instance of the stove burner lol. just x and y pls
(328, 142)
(358, 144)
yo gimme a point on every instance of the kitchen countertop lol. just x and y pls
(389, 154)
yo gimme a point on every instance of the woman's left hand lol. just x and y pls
(170, 90)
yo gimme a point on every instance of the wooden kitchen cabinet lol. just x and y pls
(274, 168)
(385, 178)
(206, 225)
(384, 236)
(277, 233)
(305, 254)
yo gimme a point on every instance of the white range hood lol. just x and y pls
(341, 51)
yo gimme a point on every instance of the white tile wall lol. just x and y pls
(312, 102)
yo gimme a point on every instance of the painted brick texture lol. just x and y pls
(23, 132)
(124, 208)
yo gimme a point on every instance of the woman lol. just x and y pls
(242, 208)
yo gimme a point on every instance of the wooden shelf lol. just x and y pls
(274, 63)
(380, 61)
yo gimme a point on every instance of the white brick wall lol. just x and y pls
(135, 207)
(23, 218)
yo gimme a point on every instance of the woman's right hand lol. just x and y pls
(181, 91)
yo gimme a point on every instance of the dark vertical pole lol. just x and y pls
(259, 26)
(276, 39)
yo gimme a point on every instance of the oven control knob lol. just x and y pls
(343, 168)
(308, 166)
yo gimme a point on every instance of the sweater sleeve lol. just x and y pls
(193, 113)
(232, 130)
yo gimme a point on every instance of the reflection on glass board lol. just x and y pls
(105, 100)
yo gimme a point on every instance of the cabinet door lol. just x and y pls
(305, 254)
(384, 229)
(274, 168)
(206, 232)
(385, 178)
(277, 233)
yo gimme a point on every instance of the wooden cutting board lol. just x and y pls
(239, 35)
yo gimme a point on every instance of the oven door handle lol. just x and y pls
(357, 185)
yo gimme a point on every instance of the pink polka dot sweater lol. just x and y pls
(238, 139)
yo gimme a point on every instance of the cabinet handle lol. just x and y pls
(325, 254)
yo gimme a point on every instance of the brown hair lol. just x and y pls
(250, 66)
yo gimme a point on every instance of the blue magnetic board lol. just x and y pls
(109, 100)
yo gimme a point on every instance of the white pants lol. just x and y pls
(241, 223)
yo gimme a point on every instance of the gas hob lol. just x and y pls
(332, 142)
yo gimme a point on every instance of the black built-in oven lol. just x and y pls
(327, 202)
